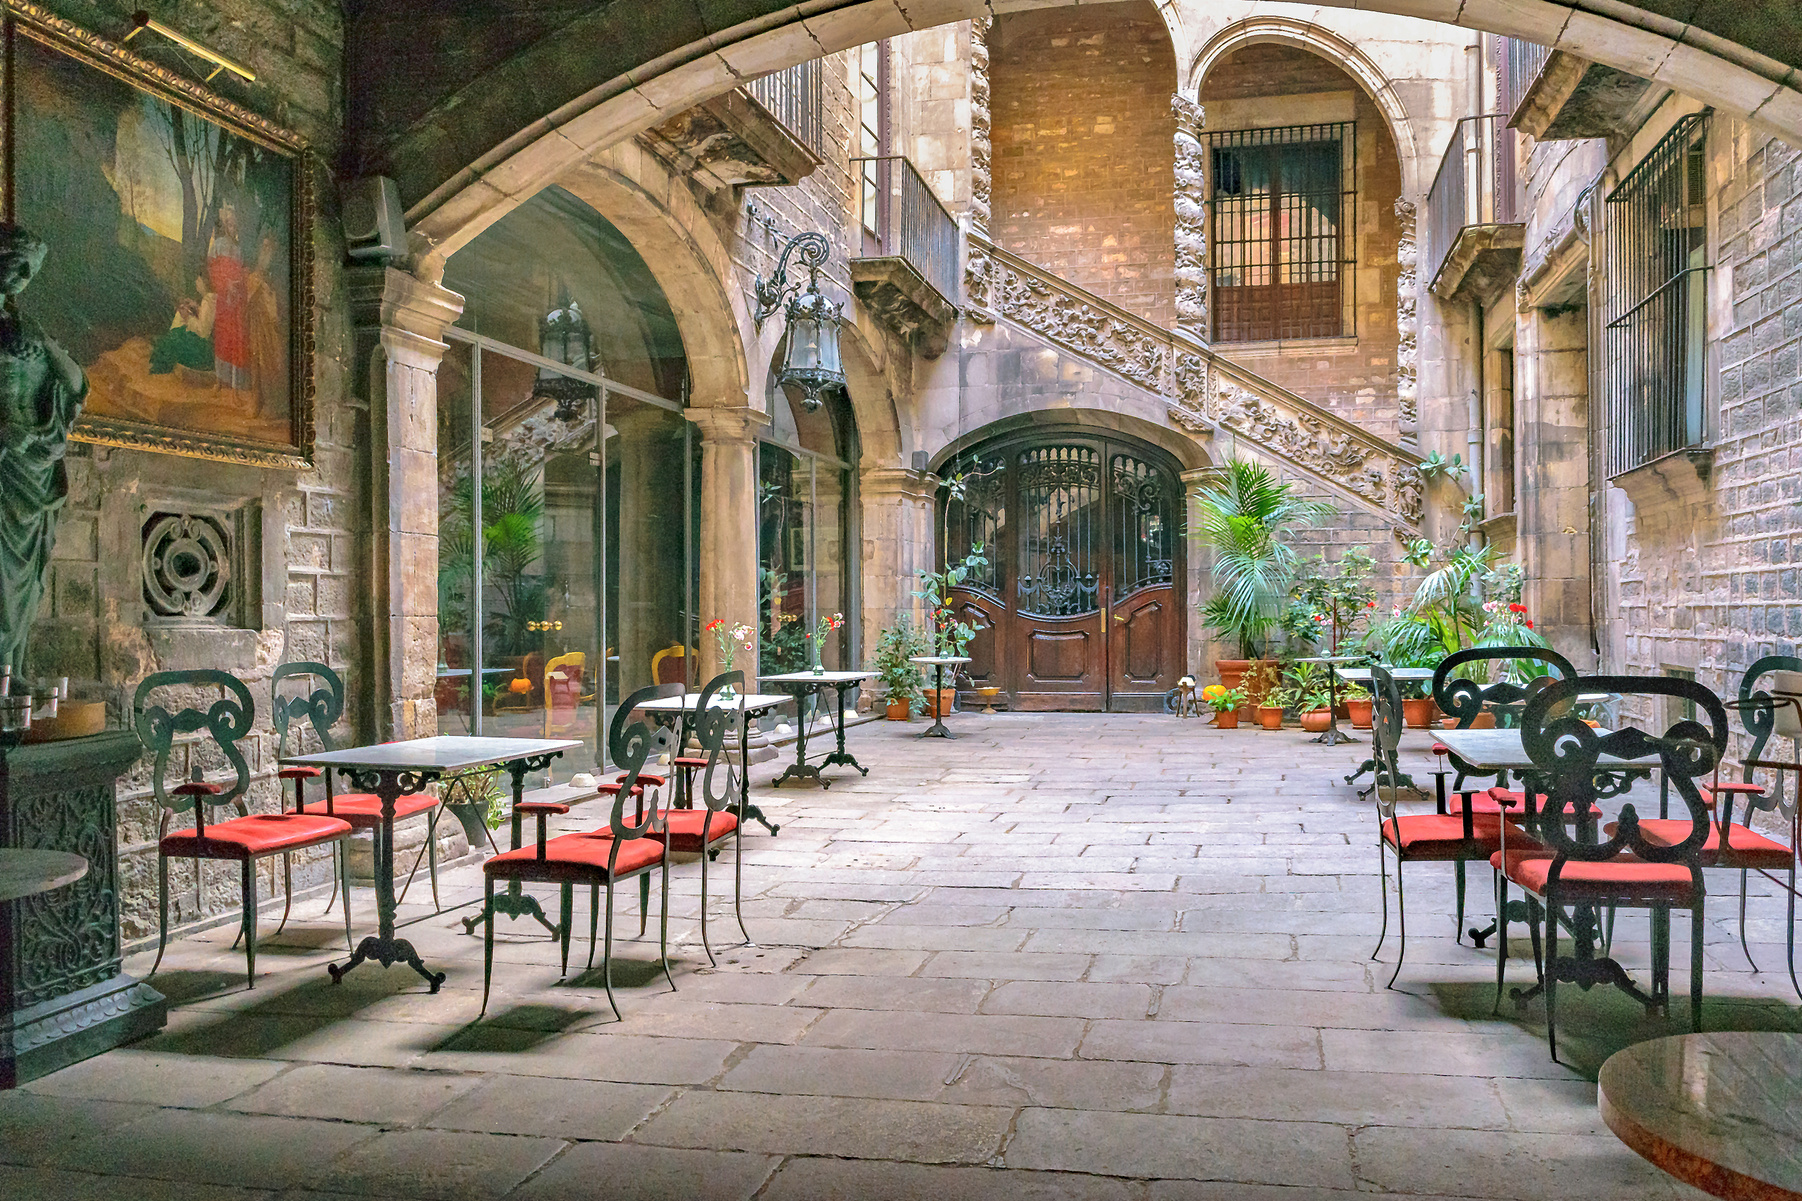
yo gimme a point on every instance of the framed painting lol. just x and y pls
(180, 268)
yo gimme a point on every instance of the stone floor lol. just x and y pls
(1065, 956)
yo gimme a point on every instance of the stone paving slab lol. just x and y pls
(1134, 964)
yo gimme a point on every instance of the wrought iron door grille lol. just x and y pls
(1280, 199)
(1060, 491)
(1144, 530)
(1655, 339)
(979, 518)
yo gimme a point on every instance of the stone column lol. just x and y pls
(897, 545)
(981, 146)
(1552, 489)
(728, 551)
(1199, 584)
(403, 318)
(1191, 219)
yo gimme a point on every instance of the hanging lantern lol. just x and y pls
(563, 337)
(812, 362)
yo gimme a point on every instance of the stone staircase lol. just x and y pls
(1205, 393)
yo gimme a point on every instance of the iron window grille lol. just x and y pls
(796, 97)
(1279, 262)
(1655, 339)
(1518, 65)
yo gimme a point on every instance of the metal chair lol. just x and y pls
(243, 839)
(1633, 868)
(1439, 837)
(602, 858)
(321, 708)
(705, 830)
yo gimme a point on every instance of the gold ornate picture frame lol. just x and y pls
(180, 271)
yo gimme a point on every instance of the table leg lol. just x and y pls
(382, 946)
(747, 812)
(938, 728)
(1332, 735)
(801, 769)
(516, 902)
(841, 756)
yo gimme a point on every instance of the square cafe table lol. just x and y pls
(672, 709)
(800, 684)
(938, 728)
(392, 770)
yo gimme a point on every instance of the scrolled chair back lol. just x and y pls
(710, 725)
(1566, 751)
(227, 719)
(1386, 722)
(1463, 698)
(1770, 711)
(632, 744)
(319, 707)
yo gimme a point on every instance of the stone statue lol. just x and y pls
(41, 393)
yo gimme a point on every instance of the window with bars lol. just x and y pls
(872, 137)
(1656, 333)
(1280, 198)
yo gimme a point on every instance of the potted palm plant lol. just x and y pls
(1246, 518)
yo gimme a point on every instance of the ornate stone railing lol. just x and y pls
(1204, 392)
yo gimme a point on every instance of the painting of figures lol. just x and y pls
(172, 266)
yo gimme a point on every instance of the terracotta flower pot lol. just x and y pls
(940, 701)
(900, 711)
(1227, 720)
(1358, 709)
(1317, 721)
(1232, 672)
(1270, 716)
(1485, 721)
(1417, 712)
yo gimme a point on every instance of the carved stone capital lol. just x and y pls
(411, 314)
(896, 483)
(723, 425)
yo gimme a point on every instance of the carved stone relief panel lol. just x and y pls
(981, 148)
(1407, 318)
(1083, 327)
(1191, 221)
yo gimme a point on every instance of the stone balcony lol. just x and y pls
(732, 141)
(1572, 97)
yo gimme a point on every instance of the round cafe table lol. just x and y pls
(25, 873)
(1718, 1111)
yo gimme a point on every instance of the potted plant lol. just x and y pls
(1225, 703)
(1246, 519)
(1271, 709)
(1358, 706)
(949, 637)
(1308, 694)
(900, 680)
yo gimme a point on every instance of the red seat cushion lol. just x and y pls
(254, 836)
(299, 773)
(644, 777)
(616, 789)
(1745, 848)
(576, 858)
(1710, 791)
(1441, 836)
(1499, 800)
(553, 807)
(689, 761)
(685, 827)
(1625, 878)
(1439, 748)
(363, 810)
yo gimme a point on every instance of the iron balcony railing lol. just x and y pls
(912, 224)
(1477, 184)
(1519, 65)
(796, 97)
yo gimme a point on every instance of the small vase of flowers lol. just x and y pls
(729, 639)
(817, 639)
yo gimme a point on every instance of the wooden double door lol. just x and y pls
(1079, 607)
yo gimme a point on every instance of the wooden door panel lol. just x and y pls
(1060, 663)
(988, 650)
(1145, 654)
(1058, 658)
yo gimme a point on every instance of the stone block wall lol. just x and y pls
(1084, 150)
(298, 559)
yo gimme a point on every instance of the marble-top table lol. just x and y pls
(1719, 1111)
(674, 709)
(800, 684)
(392, 770)
(25, 872)
(938, 728)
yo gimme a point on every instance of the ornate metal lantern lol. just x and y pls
(812, 361)
(564, 337)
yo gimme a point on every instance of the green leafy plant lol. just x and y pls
(1436, 464)
(1225, 700)
(950, 637)
(512, 513)
(901, 680)
(1247, 519)
(1329, 601)
(1307, 688)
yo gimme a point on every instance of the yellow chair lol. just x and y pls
(674, 651)
(563, 695)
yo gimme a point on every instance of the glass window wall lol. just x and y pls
(805, 516)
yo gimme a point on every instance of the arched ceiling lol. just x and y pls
(474, 105)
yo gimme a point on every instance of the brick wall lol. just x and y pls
(1084, 151)
(300, 557)
(1354, 376)
(1709, 580)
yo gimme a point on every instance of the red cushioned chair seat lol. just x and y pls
(575, 858)
(689, 761)
(556, 807)
(298, 773)
(1499, 800)
(685, 825)
(363, 810)
(644, 777)
(1745, 848)
(254, 836)
(1439, 748)
(1441, 836)
(1624, 878)
(1710, 791)
(616, 789)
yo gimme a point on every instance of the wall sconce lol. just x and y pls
(142, 20)
(811, 362)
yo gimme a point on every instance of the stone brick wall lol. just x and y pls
(1355, 376)
(1704, 576)
(1084, 152)
(300, 565)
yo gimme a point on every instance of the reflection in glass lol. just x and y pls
(456, 688)
(648, 627)
(784, 492)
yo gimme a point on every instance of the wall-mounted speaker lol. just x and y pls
(375, 227)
